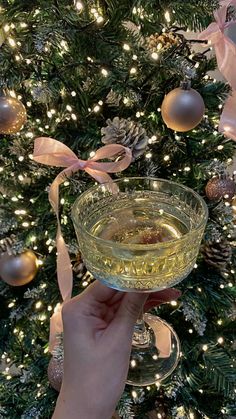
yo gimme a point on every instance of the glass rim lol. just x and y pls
(137, 246)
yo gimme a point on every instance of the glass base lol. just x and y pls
(156, 358)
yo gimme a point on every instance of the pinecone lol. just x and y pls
(113, 98)
(7, 243)
(79, 266)
(217, 254)
(126, 132)
(156, 42)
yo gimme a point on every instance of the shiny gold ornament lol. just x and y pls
(220, 187)
(18, 270)
(12, 115)
(182, 109)
(55, 373)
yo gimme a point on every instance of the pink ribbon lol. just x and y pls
(54, 153)
(228, 117)
(228, 3)
(225, 49)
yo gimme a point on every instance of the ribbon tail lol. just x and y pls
(56, 327)
(64, 268)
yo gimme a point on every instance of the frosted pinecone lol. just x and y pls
(7, 243)
(113, 98)
(126, 132)
(41, 93)
(217, 254)
(193, 315)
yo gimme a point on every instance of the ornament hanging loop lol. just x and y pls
(185, 84)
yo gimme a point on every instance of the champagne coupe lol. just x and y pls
(142, 235)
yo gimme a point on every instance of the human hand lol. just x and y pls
(98, 330)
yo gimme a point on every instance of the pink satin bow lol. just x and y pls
(228, 3)
(225, 49)
(54, 153)
(228, 117)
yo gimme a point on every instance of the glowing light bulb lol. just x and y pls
(133, 363)
(6, 28)
(134, 394)
(133, 70)
(100, 19)
(11, 42)
(167, 16)
(104, 72)
(126, 47)
(154, 56)
(96, 108)
(78, 5)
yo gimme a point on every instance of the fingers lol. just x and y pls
(160, 297)
(99, 292)
(128, 312)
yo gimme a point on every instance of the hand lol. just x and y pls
(98, 329)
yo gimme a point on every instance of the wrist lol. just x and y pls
(74, 406)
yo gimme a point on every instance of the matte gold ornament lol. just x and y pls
(218, 188)
(183, 108)
(55, 373)
(12, 115)
(18, 270)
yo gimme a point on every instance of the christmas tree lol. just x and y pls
(92, 73)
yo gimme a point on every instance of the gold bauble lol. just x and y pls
(55, 373)
(18, 270)
(12, 115)
(182, 109)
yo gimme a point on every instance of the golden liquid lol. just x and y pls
(130, 258)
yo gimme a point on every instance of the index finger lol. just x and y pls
(99, 292)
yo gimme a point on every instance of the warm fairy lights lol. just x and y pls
(78, 5)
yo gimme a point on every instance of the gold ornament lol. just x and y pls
(18, 270)
(220, 187)
(156, 42)
(182, 109)
(12, 115)
(55, 373)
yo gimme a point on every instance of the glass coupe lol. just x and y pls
(142, 235)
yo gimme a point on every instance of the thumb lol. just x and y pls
(129, 311)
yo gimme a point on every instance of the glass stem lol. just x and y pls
(141, 336)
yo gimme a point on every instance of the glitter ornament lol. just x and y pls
(17, 270)
(220, 187)
(55, 373)
(157, 42)
(182, 108)
(12, 115)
